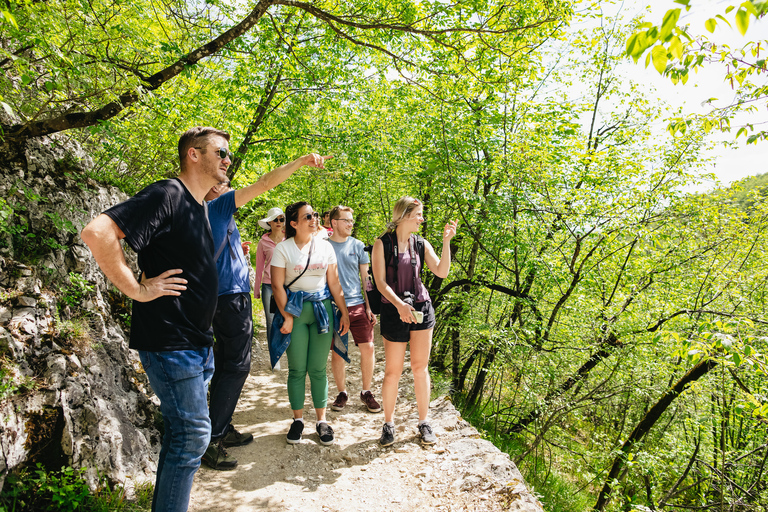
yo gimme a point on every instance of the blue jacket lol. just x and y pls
(279, 342)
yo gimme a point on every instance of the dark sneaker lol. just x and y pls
(235, 438)
(340, 401)
(294, 433)
(387, 435)
(427, 436)
(216, 456)
(370, 402)
(325, 432)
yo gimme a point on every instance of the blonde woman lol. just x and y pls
(407, 315)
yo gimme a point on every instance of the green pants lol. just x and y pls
(308, 354)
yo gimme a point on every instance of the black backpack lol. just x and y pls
(389, 242)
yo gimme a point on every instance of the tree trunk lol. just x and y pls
(645, 425)
(261, 112)
(477, 387)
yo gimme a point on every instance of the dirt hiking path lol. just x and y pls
(460, 473)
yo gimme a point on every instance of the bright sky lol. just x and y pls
(730, 163)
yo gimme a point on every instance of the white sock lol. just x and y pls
(422, 422)
(390, 423)
(364, 391)
(320, 421)
(299, 419)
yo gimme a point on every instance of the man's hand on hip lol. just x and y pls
(158, 286)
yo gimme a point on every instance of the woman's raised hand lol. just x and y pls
(450, 230)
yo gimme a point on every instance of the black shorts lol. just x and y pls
(394, 329)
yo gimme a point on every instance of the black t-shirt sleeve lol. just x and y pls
(143, 217)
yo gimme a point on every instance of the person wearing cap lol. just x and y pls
(233, 321)
(274, 223)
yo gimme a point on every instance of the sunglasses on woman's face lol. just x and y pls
(279, 219)
(309, 216)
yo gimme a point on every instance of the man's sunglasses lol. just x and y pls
(309, 216)
(223, 153)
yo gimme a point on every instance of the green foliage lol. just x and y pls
(76, 292)
(16, 232)
(63, 490)
(7, 384)
(66, 490)
(678, 51)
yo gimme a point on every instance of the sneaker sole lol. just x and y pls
(337, 408)
(428, 443)
(388, 444)
(373, 410)
(292, 441)
(327, 443)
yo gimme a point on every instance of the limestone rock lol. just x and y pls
(87, 403)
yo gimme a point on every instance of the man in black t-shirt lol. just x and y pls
(174, 300)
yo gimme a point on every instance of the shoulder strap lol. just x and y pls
(230, 230)
(420, 248)
(309, 256)
(390, 252)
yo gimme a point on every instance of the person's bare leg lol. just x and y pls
(367, 362)
(394, 357)
(320, 413)
(298, 414)
(421, 345)
(338, 366)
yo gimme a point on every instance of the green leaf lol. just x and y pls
(750, 8)
(669, 23)
(659, 56)
(710, 25)
(10, 18)
(742, 21)
(676, 47)
(632, 46)
(722, 18)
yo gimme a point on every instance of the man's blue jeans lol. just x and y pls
(180, 380)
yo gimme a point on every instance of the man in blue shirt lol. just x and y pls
(233, 321)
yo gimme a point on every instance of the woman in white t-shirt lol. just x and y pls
(311, 285)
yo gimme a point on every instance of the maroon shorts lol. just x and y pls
(359, 325)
